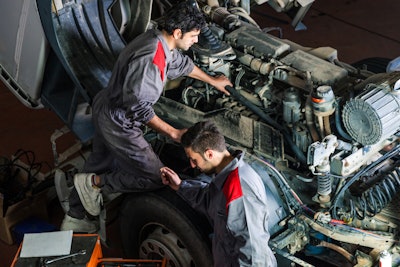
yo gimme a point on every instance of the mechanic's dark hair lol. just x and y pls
(182, 16)
(202, 136)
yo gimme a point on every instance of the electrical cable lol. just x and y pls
(12, 188)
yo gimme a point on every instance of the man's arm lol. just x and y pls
(160, 126)
(193, 191)
(256, 212)
(169, 177)
(219, 82)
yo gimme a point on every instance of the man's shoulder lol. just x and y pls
(247, 172)
(147, 39)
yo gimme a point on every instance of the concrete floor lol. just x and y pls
(358, 29)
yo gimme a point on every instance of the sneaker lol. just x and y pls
(62, 188)
(79, 225)
(90, 195)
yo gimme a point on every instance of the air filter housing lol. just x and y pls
(374, 115)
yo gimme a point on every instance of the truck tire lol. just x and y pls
(161, 225)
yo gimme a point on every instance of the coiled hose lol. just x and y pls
(363, 206)
(376, 198)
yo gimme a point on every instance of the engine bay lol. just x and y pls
(326, 129)
(323, 134)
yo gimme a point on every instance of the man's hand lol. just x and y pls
(160, 126)
(219, 82)
(169, 177)
(179, 135)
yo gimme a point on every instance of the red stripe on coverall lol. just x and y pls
(159, 59)
(232, 188)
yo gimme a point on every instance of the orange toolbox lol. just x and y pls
(92, 258)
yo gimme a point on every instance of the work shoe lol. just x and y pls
(90, 195)
(62, 188)
(79, 225)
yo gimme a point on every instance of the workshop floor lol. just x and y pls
(358, 29)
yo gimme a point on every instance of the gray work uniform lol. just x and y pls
(236, 204)
(121, 156)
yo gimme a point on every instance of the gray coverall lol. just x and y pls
(121, 156)
(236, 204)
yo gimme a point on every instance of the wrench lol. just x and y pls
(80, 252)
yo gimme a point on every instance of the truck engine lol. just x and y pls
(327, 130)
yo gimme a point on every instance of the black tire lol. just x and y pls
(161, 225)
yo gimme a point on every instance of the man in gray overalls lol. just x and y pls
(235, 201)
(122, 160)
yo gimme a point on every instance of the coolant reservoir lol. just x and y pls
(323, 101)
(374, 115)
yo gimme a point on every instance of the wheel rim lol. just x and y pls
(162, 243)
